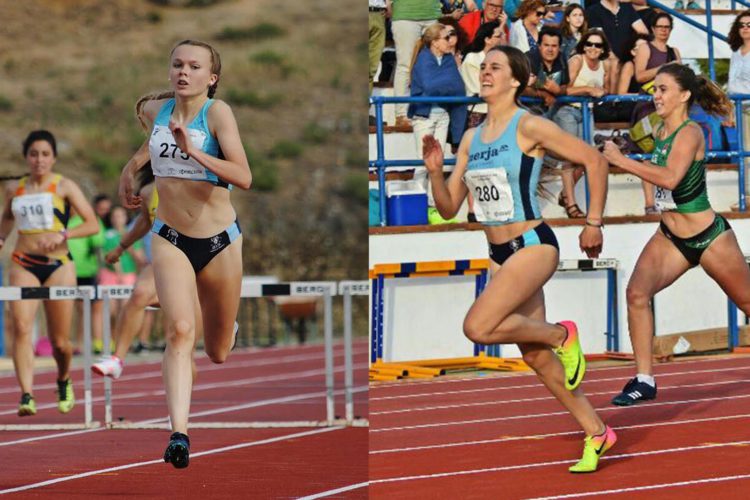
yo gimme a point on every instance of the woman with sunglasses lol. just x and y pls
(435, 73)
(524, 33)
(648, 60)
(739, 73)
(589, 71)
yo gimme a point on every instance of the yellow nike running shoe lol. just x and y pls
(571, 356)
(27, 407)
(593, 448)
(65, 398)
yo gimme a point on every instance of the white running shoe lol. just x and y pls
(109, 366)
(236, 329)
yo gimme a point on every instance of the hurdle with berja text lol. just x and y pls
(324, 289)
(86, 294)
(484, 357)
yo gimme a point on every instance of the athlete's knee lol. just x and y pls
(637, 297)
(180, 331)
(479, 333)
(141, 297)
(217, 356)
(60, 345)
(533, 358)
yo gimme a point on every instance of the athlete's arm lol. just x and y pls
(684, 150)
(125, 189)
(234, 169)
(448, 194)
(138, 230)
(7, 221)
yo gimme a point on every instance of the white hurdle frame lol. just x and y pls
(85, 293)
(347, 289)
(326, 289)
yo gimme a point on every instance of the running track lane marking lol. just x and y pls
(649, 487)
(191, 415)
(556, 462)
(555, 434)
(505, 375)
(151, 462)
(541, 398)
(529, 386)
(552, 414)
(328, 493)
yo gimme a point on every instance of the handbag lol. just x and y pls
(642, 131)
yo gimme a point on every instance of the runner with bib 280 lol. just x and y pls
(500, 162)
(690, 233)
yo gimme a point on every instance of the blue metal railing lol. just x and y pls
(380, 163)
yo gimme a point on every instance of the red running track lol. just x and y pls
(506, 437)
(277, 384)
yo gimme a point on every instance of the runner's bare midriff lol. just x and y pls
(194, 208)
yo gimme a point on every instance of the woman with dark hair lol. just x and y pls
(690, 233)
(499, 162)
(739, 75)
(573, 26)
(524, 32)
(589, 76)
(488, 36)
(40, 204)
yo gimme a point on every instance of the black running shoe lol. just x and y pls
(634, 392)
(178, 450)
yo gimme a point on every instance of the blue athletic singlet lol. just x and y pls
(502, 179)
(167, 160)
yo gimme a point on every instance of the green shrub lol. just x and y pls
(315, 134)
(261, 31)
(356, 158)
(154, 17)
(722, 70)
(265, 173)
(268, 57)
(252, 98)
(286, 149)
(5, 103)
(106, 165)
(356, 187)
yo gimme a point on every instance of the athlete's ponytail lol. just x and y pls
(154, 96)
(703, 91)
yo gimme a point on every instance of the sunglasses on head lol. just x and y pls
(449, 35)
(597, 45)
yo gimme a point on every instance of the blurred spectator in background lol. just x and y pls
(493, 11)
(102, 207)
(548, 69)
(457, 42)
(376, 22)
(86, 253)
(489, 35)
(739, 74)
(408, 20)
(573, 25)
(524, 32)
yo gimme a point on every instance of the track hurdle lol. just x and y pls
(347, 289)
(485, 357)
(325, 289)
(86, 294)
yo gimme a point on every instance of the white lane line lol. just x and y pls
(555, 434)
(329, 493)
(151, 462)
(648, 487)
(544, 398)
(201, 369)
(204, 387)
(505, 375)
(557, 462)
(539, 385)
(552, 414)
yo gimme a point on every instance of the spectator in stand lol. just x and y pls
(435, 73)
(85, 252)
(648, 60)
(102, 207)
(408, 20)
(573, 25)
(489, 35)
(626, 82)
(739, 74)
(524, 33)
(378, 11)
(691, 5)
(588, 73)
(548, 69)
(457, 42)
(493, 11)
(618, 21)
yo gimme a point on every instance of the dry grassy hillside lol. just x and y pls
(292, 71)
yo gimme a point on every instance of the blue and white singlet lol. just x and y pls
(502, 179)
